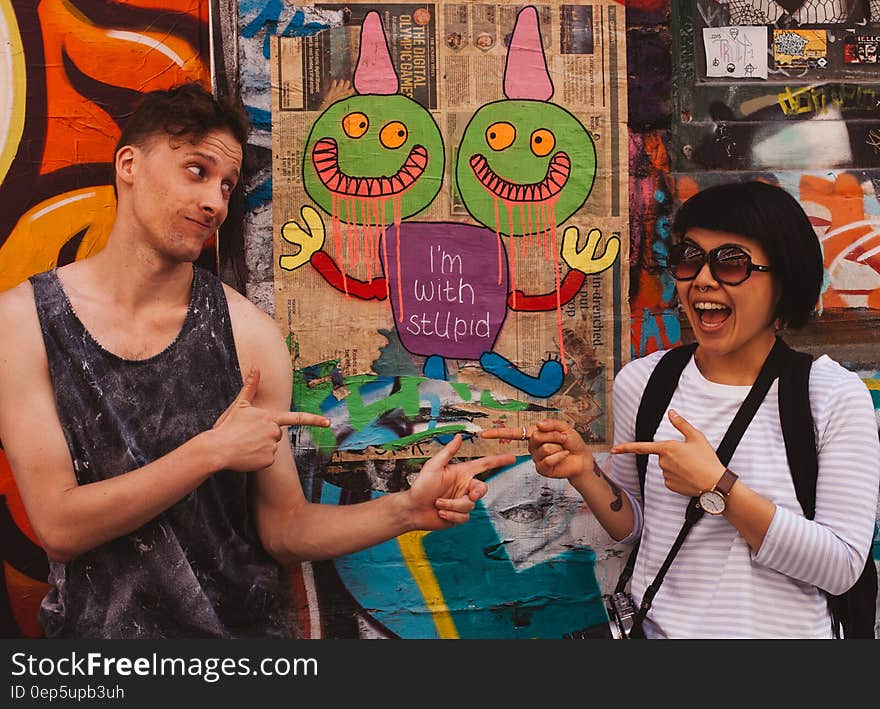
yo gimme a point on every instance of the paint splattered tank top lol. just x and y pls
(198, 569)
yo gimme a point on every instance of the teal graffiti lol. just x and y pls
(269, 18)
(486, 596)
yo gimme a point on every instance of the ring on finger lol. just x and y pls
(525, 435)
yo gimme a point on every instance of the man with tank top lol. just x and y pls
(142, 403)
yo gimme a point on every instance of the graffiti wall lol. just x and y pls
(533, 561)
(449, 261)
(70, 71)
(678, 141)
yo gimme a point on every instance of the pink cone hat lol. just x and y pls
(526, 75)
(374, 73)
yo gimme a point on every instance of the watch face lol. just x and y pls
(712, 502)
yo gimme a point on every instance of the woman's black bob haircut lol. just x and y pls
(772, 217)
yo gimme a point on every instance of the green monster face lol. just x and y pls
(522, 163)
(382, 155)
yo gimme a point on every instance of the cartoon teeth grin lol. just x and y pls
(325, 158)
(552, 184)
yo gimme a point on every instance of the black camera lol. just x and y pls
(621, 610)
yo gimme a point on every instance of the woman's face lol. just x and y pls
(729, 319)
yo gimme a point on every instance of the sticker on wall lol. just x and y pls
(861, 49)
(800, 48)
(736, 52)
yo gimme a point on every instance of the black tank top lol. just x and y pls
(198, 569)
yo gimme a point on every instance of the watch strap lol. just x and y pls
(726, 482)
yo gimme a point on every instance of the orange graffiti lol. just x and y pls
(43, 231)
(77, 129)
(25, 596)
(850, 243)
(649, 296)
(13, 499)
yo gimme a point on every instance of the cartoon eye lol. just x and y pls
(542, 142)
(393, 135)
(500, 135)
(355, 125)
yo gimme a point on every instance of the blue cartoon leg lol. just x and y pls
(435, 368)
(546, 384)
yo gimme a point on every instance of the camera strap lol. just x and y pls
(770, 370)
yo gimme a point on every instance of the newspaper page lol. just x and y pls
(451, 230)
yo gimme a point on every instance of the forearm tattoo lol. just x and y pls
(617, 503)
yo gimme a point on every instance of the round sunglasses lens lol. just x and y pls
(732, 269)
(685, 261)
(687, 268)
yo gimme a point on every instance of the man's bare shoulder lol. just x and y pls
(17, 309)
(246, 315)
(22, 344)
(255, 331)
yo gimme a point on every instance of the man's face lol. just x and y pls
(181, 188)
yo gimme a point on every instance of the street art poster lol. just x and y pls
(798, 47)
(476, 241)
(736, 52)
(451, 230)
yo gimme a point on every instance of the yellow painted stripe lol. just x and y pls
(414, 555)
(13, 86)
(872, 383)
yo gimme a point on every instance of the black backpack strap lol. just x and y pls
(770, 371)
(855, 610)
(797, 427)
(658, 393)
(660, 387)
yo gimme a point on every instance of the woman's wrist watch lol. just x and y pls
(714, 501)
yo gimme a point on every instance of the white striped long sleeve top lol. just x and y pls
(717, 587)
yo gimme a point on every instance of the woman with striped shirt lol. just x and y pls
(746, 262)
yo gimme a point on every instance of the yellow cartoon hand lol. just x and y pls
(309, 239)
(586, 259)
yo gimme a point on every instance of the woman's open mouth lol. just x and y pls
(711, 315)
(325, 158)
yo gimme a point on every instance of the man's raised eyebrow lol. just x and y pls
(211, 159)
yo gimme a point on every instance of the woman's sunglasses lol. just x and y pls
(729, 265)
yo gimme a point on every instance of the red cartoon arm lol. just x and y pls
(377, 289)
(571, 284)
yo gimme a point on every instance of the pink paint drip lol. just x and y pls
(397, 219)
(552, 204)
(545, 224)
(500, 246)
(532, 235)
(367, 206)
(376, 204)
(336, 227)
(385, 249)
(509, 207)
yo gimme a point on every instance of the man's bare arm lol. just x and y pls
(69, 518)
